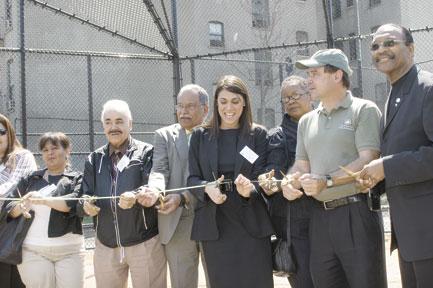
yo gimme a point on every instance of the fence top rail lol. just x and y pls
(88, 53)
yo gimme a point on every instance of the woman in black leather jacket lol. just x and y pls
(53, 246)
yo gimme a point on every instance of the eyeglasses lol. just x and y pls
(3, 132)
(294, 97)
(188, 107)
(385, 44)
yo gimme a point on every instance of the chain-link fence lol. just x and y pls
(62, 59)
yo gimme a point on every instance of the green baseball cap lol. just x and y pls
(334, 57)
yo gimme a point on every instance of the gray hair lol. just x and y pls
(200, 91)
(294, 80)
(118, 106)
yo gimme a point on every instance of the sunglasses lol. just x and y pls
(385, 44)
(3, 132)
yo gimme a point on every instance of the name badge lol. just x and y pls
(123, 163)
(249, 154)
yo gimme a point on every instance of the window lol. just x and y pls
(374, 3)
(353, 53)
(349, 3)
(216, 34)
(260, 13)
(336, 9)
(302, 36)
(263, 71)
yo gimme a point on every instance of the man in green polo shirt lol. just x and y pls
(346, 236)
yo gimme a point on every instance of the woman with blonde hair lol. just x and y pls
(15, 163)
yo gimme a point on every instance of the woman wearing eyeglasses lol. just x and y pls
(52, 251)
(15, 162)
(290, 219)
(231, 221)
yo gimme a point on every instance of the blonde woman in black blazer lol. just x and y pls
(231, 221)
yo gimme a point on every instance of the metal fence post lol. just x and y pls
(90, 103)
(23, 76)
(192, 64)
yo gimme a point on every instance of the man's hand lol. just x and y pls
(171, 203)
(293, 179)
(372, 173)
(89, 207)
(147, 197)
(244, 186)
(312, 184)
(127, 200)
(268, 183)
(213, 191)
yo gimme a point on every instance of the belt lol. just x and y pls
(332, 204)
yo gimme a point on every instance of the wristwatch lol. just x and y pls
(329, 182)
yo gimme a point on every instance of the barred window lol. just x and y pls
(336, 9)
(260, 13)
(216, 34)
(8, 14)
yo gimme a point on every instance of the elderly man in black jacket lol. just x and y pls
(405, 171)
(127, 239)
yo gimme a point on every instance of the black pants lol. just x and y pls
(347, 247)
(416, 274)
(9, 276)
(300, 213)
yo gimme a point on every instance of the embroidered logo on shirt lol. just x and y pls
(347, 125)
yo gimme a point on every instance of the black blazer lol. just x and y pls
(407, 150)
(203, 163)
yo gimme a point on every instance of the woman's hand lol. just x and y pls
(268, 183)
(35, 198)
(244, 186)
(213, 191)
(21, 208)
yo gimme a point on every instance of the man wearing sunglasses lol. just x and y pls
(405, 171)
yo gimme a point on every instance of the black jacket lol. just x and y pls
(135, 225)
(407, 151)
(60, 223)
(281, 156)
(203, 162)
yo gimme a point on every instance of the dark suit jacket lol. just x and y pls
(407, 150)
(203, 165)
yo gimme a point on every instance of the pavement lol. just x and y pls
(391, 261)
